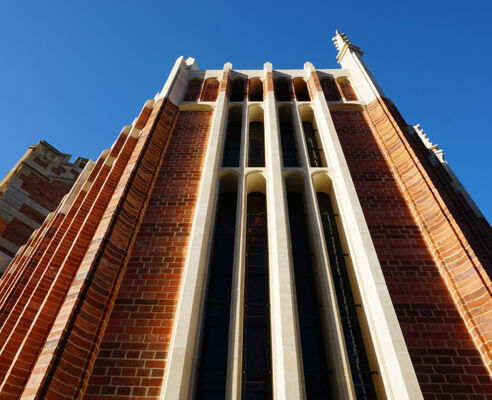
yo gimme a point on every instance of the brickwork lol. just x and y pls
(133, 353)
(346, 89)
(330, 89)
(210, 90)
(33, 188)
(444, 355)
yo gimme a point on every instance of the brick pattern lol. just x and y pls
(65, 363)
(452, 247)
(210, 90)
(330, 89)
(313, 84)
(47, 194)
(268, 85)
(38, 281)
(445, 358)
(346, 89)
(134, 350)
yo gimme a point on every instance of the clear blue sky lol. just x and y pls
(73, 73)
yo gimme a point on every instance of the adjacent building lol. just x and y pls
(30, 191)
(256, 234)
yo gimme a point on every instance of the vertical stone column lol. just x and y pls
(286, 365)
(392, 354)
(180, 367)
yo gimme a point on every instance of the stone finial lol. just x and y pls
(341, 41)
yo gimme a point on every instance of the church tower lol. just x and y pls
(256, 234)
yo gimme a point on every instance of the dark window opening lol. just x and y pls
(255, 89)
(347, 90)
(193, 90)
(287, 135)
(330, 89)
(237, 90)
(301, 89)
(282, 90)
(257, 367)
(359, 363)
(314, 356)
(232, 146)
(316, 158)
(256, 145)
(212, 367)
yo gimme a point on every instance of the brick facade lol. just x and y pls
(134, 349)
(445, 358)
(32, 189)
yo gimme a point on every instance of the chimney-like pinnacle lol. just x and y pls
(340, 39)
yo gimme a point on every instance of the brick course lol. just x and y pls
(134, 350)
(447, 363)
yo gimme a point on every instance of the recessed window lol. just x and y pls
(255, 89)
(283, 89)
(359, 363)
(193, 90)
(314, 356)
(301, 89)
(256, 149)
(330, 89)
(210, 90)
(257, 366)
(287, 136)
(212, 367)
(311, 136)
(347, 90)
(238, 87)
(232, 145)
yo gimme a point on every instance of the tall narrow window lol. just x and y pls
(347, 90)
(311, 136)
(287, 134)
(302, 93)
(256, 148)
(237, 89)
(257, 377)
(330, 89)
(232, 145)
(212, 368)
(314, 151)
(282, 89)
(193, 90)
(255, 89)
(314, 357)
(359, 363)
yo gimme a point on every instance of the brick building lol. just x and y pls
(256, 234)
(30, 191)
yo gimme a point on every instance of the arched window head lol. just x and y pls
(238, 86)
(330, 89)
(301, 89)
(283, 89)
(347, 90)
(232, 145)
(210, 90)
(287, 135)
(193, 90)
(255, 89)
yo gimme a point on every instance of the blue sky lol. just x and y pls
(73, 73)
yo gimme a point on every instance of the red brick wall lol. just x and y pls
(133, 353)
(210, 90)
(47, 194)
(346, 89)
(444, 355)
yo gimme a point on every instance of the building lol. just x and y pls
(256, 234)
(30, 191)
